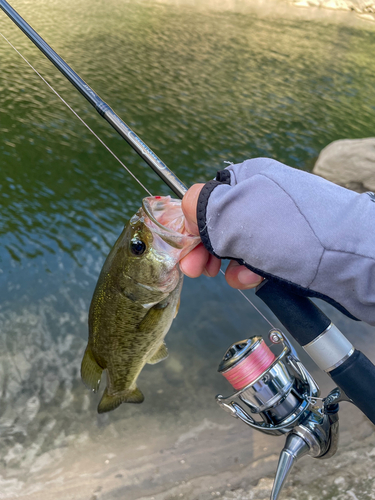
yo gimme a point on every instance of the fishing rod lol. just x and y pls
(278, 390)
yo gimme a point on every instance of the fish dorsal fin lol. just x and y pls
(91, 372)
(159, 355)
(112, 401)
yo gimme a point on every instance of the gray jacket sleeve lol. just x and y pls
(295, 228)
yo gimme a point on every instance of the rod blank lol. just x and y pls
(146, 153)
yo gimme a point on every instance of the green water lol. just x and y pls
(200, 86)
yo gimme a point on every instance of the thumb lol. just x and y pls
(189, 208)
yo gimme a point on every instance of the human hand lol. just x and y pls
(200, 261)
(301, 231)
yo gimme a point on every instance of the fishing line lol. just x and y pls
(113, 154)
(252, 303)
(77, 115)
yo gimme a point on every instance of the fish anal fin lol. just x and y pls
(110, 402)
(91, 372)
(159, 355)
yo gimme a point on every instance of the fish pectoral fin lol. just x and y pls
(91, 372)
(159, 355)
(151, 319)
(112, 401)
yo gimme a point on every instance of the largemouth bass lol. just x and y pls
(135, 301)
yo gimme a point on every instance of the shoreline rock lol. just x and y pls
(349, 163)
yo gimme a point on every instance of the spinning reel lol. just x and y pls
(280, 397)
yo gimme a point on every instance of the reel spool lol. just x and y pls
(280, 398)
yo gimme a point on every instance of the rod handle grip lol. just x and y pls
(298, 314)
(356, 377)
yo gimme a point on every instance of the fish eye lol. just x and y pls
(137, 247)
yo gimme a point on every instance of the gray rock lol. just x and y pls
(350, 163)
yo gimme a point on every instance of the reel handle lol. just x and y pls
(354, 373)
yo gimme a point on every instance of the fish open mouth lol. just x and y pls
(165, 219)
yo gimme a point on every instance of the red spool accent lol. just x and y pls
(251, 367)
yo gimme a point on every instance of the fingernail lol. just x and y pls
(248, 278)
(206, 273)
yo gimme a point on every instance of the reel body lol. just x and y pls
(280, 397)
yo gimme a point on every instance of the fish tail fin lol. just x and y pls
(112, 401)
(91, 372)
